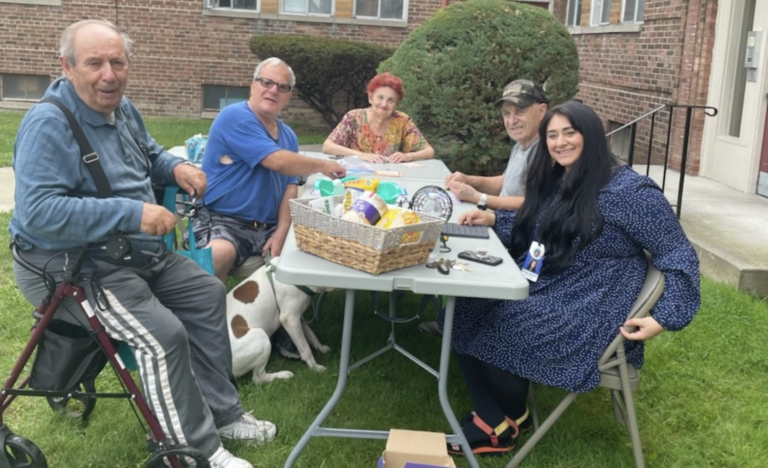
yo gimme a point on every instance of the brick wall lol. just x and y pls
(624, 75)
(177, 49)
(559, 10)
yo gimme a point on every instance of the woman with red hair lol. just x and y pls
(380, 133)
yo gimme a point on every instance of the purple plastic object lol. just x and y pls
(409, 464)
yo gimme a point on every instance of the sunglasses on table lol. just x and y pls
(281, 87)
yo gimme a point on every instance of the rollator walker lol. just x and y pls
(78, 396)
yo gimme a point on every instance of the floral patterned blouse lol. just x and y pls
(402, 135)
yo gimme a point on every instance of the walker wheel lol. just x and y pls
(79, 406)
(184, 456)
(22, 453)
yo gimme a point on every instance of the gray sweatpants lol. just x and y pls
(173, 317)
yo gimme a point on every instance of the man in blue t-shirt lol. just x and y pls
(252, 166)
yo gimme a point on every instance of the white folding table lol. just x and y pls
(500, 282)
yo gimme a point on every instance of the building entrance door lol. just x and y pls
(762, 178)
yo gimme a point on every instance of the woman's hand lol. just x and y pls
(478, 218)
(400, 157)
(371, 158)
(646, 328)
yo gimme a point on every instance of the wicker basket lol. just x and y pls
(367, 248)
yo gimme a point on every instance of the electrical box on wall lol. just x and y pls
(752, 54)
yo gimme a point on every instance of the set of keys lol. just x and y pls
(444, 265)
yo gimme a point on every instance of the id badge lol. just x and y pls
(534, 260)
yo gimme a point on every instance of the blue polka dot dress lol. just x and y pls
(556, 335)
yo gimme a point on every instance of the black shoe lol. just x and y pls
(282, 341)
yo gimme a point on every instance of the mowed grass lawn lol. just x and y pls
(167, 132)
(703, 400)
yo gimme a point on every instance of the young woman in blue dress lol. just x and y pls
(593, 218)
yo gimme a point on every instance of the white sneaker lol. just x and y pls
(250, 430)
(223, 459)
(186, 462)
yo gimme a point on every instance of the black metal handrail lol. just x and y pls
(708, 111)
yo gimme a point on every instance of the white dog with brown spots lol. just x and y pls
(253, 316)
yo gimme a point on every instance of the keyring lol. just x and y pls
(444, 248)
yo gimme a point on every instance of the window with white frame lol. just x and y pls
(601, 12)
(381, 9)
(248, 5)
(573, 13)
(216, 98)
(632, 11)
(303, 7)
(23, 87)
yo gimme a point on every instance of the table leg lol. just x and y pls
(442, 385)
(346, 340)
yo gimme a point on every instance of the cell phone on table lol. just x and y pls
(473, 256)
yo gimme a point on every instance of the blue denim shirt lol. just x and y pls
(56, 198)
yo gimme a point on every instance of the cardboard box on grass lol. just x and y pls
(415, 449)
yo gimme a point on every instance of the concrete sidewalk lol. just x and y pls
(727, 227)
(7, 189)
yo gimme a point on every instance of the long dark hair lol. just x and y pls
(574, 220)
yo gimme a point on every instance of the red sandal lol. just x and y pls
(524, 422)
(492, 446)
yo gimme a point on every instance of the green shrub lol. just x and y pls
(331, 74)
(455, 66)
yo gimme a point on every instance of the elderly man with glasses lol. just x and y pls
(252, 166)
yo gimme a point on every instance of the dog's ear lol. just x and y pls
(246, 292)
(239, 326)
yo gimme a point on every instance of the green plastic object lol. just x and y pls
(325, 186)
(389, 191)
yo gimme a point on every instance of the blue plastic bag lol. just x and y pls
(196, 148)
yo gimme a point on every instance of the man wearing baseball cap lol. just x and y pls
(523, 105)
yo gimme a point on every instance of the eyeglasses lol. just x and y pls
(267, 83)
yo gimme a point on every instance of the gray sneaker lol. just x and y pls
(250, 430)
(282, 341)
(431, 328)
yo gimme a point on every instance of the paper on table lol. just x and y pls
(354, 161)
(454, 200)
(388, 173)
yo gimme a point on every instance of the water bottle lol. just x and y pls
(432, 206)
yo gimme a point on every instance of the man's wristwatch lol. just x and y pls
(481, 203)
